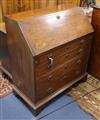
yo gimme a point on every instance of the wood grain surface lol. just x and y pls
(94, 67)
(56, 24)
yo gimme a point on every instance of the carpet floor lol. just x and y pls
(5, 86)
(85, 94)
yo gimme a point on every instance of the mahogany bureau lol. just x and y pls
(49, 53)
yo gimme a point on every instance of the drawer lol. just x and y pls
(52, 59)
(83, 41)
(53, 81)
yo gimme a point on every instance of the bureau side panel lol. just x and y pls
(94, 66)
(21, 60)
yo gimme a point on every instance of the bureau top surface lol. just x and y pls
(35, 12)
(45, 32)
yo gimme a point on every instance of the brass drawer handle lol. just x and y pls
(80, 50)
(51, 60)
(67, 55)
(77, 72)
(51, 63)
(79, 61)
(65, 77)
(82, 41)
(50, 77)
(50, 91)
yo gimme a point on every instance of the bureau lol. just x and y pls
(48, 53)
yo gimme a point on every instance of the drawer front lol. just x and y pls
(44, 84)
(48, 84)
(50, 60)
(78, 43)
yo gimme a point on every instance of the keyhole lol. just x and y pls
(58, 17)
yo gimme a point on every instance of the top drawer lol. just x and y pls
(51, 59)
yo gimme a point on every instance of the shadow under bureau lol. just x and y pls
(48, 53)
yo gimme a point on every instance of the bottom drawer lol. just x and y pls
(62, 76)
